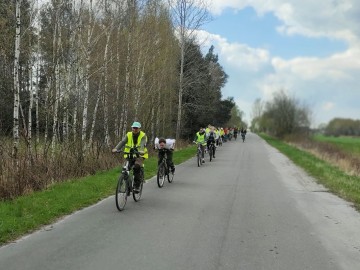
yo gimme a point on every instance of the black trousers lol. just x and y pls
(169, 154)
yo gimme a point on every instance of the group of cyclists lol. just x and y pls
(213, 135)
(136, 138)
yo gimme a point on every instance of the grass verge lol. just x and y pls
(337, 181)
(28, 213)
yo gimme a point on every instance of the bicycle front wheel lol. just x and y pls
(121, 193)
(161, 175)
(199, 159)
(211, 153)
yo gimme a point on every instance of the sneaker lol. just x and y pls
(213, 156)
(203, 160)
(136, 188)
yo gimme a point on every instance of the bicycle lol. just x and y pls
(163, 170)
(199, 154)
(125, 185)
(211, 150)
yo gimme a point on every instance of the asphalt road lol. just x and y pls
(250, 209)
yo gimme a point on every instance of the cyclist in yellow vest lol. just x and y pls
(134, 138)
(200, 137)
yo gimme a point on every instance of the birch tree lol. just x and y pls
(131, 6)
(188, 16)
(87, 77)
(16, 83)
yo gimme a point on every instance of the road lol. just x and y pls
(250, 209)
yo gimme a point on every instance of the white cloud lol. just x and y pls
(334, 19)
(236, 55)
(328, 106)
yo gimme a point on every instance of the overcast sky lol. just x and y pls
(309, 48)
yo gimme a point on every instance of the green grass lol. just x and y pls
(349, 144)
(339, 183)
(28, 213)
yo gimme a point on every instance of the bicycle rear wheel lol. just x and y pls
(137, 195)
(120, 194)
(161, 175)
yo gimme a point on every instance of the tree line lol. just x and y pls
(75, 74)
(285, 115)
(342, 127)
(281, 116)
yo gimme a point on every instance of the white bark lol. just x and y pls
(91, 136)
(106, 111)
(31, 98)
(56, 81)
(87, 78)
(16, 84)
(124, 111)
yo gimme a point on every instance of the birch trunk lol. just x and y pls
(91, 136)
(47, 94)
(117, 86)
(87, 78)
(16, 86)
(124, 111)
(56, 81)
(181, 79)
(31, 98)
(106, 111)
(37, 97)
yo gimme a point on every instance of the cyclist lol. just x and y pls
(168, 145)
(211, 138)
(200, 138)
(135, 138)
(222, 134)
(236, 131)
(243, 133)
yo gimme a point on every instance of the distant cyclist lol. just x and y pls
(243, 133)
(236, 131)
(167, 146)
(211, 137)
(200, 138)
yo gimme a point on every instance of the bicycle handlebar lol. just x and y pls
(133, 151)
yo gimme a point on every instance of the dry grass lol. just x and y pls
(42, 169)
(39, 171)
(349, 163)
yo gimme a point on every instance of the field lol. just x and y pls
(350, 145)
